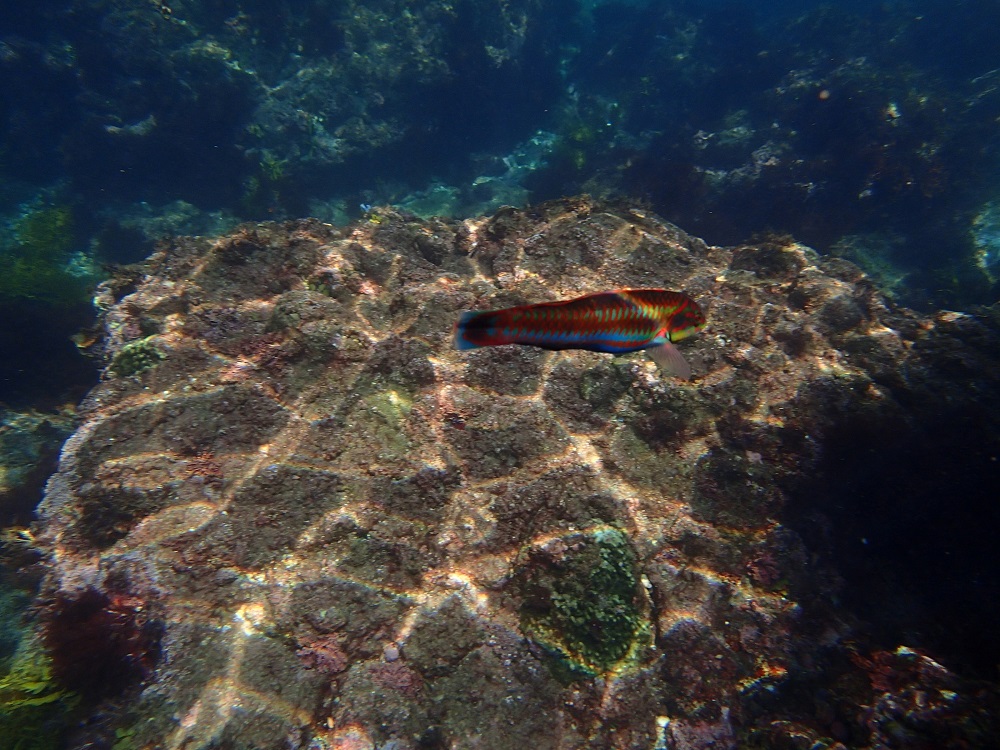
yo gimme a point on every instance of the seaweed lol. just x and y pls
(34, 709)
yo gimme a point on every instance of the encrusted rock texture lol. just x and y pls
(317, 525)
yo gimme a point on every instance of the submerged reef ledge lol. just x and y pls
(308, 522)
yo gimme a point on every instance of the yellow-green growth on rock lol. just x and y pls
(33, 708)
(581, 602)
(135, 357)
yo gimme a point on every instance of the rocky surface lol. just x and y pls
(294, 516)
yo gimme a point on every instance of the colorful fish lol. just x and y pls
(621, 321)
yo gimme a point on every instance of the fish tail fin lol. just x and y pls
(476, 329)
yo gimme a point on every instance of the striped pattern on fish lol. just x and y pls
(625, 320)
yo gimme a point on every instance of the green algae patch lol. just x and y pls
(582, 603)
(135, 357)
(33, 708)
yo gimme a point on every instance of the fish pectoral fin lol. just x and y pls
(669, 359)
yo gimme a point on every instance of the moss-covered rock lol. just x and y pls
(582, 602)
(135, 357)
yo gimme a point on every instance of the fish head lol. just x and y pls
(686, 321)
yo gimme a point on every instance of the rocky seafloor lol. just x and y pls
(293, 516)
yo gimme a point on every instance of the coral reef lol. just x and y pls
(310, 523)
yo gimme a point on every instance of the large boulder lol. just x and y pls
(294, 516)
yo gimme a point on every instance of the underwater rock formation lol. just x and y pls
(29, 445)
(317, 525)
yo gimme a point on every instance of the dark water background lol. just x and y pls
(869, 130)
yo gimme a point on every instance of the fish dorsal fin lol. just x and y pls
(669, 359)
